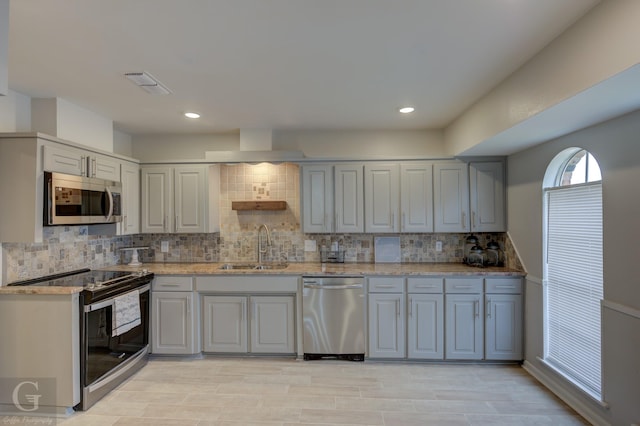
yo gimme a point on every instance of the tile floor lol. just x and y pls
(265, 391)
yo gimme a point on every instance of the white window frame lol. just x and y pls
(564, 363)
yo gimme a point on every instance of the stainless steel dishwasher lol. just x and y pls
(333, 317)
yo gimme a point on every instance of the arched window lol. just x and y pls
(573, 268)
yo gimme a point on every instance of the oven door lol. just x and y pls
(77, 200)
(108, 360)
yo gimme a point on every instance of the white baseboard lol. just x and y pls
(587, 411)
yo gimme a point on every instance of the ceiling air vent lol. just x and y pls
(147, 82)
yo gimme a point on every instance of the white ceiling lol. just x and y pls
(279, 64)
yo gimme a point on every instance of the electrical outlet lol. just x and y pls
(438, 245)
(164, 246)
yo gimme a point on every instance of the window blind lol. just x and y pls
(574, 283)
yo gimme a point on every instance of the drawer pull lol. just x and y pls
(425, 286)
(169, 285)
(504, 286)
(383, 286)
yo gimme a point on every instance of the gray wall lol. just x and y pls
(616, 146)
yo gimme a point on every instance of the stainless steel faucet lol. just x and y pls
(262, 248)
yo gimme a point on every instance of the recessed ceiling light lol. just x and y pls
(406, 110)
(192, 115)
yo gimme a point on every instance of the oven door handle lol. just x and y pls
(109, 302)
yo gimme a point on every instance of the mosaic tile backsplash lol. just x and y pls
(69, 248)
(65, 248)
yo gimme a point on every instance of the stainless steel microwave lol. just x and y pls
(78, 200)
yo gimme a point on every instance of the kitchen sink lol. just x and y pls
(256, 266)
(231, 266)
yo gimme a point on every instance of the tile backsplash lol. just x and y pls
(71, 247)
(65, 248)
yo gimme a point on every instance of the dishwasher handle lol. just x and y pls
(332, 286)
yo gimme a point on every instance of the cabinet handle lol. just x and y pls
(393, 220)
(94, 166)
(243, 311)
(164, 224)
(488, 308)
(404, 221)
(464, 217)
(476, 308)
(473, 219)
(175, 225)
(398, 307)
(425, 286)
(124, 220)
(410, 307)
(188, 306)
(83, 165)
(504, 286)
(383, 286)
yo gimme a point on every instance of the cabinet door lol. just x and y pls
(317, 198)
(61, 160)
(426, 326)
(172, 324)
(224, 327)
(272, 324)
(487, 196)
(451, 197)
(130, 199)
(503, 327)
(416, 197)
(386, 326)
(104, 168)
(157, 204)
(349, 198)
(381, 196)
(464, 326)
(190, 196)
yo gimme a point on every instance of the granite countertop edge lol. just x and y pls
(296, 269)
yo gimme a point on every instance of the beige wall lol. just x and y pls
(615, 146)
(600, 45)
(150, 148)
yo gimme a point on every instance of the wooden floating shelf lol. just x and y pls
(258, 205)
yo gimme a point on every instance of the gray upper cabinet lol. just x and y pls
(174, 199)
(332, 198)
(451, 197)
(130, 176)
(486, 180)
(349, 197)
(317, 198)
(382, 197)
(416, 197)
(80, 163)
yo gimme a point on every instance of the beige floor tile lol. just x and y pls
(529, 408)
(260, 414)
(194, 412)
(374, 404)
(352, 417)
(84, 420)
(459, 407)
(299, 401)
(222, 400)
(523, 420)
(472, 395)
(252, 389)
(146, 396)
(337, 391)
(136, 421)
(118, 408)
(393, 393)
(424, 419)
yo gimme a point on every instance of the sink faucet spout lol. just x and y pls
(263, 243)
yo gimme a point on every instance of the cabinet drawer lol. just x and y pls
(424, 285)
(172, 284)
(463, 285)
(386, 285)
(503, 285)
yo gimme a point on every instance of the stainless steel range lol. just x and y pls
(114, 326)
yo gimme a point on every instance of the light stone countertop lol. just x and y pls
(307, 268)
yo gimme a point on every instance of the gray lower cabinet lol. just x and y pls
(174, 313)
(503, 319)
(425, 319)
(464, 325)
(386, 317)
(248, 324)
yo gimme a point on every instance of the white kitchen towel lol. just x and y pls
(126, 313)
